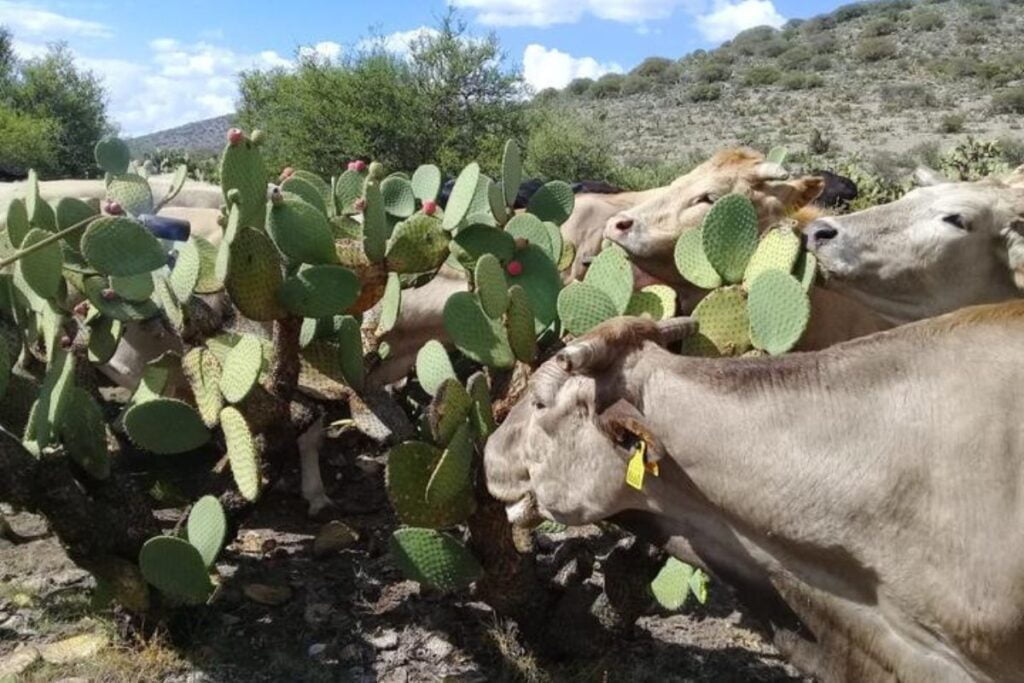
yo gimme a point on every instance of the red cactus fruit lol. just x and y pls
(113, 208)
(235, 136)
(65, 342)
(429, 207)
(82, 309)
(287, 173)
(514, 268)
(108, 294)
(360, 204)
(358, 165)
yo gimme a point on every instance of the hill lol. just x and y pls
(200, 136)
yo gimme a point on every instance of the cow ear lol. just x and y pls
(805, 191)
(1014, 234)
(625, 424)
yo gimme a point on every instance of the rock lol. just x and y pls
(19, 660)
(385, 640)
(265, 594)
(317, 649)
(436, 649)
(334, 536)
(73, 649)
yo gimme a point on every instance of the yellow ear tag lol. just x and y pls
(636, 468)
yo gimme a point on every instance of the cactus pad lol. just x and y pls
(489, 279)
(722, 317)
(496, 199)
(117, 308)
(176, 186)
(165, 426)
(68, 212)
(417, 245)
(176, 568)
(104, 335)
(481, 415)
(17, 222)
(254, 276)
(306, 191)
(399, 198)
(777, 250)
(132, 193)
(391, 304)
(729, 236)
(612, 273)
(553, 202)
(115, 245)
(301, 232)
(202, 370)
(530, 228)
(242, 169)
(450, 479)
(242, 454)
(449, 409)
(426, 182)
(133, 287)
(350, 339)
(477, 240)
(474, 333)
(434, 559)
(112, 155)
(185, 275)
(40, 214)
(461, 198)
(319, 291)
(541, 281)
(206, 528)
(672, 584)
(519, 322)
(410, 466)
(511, 172)
(376, 228)
(433, 367)
(777, 155)
(779, 311)
(582, 307)
(40, 271)
(806, 269)
(83, 432)
(242, 367)
(348, 190)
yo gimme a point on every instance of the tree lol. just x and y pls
(7, 60)
(25, 142)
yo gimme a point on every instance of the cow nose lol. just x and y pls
(624, 224)
(819, 232)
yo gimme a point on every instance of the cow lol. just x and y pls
(937, 249)
(839, 190)
(866, 501)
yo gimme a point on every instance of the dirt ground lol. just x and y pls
(342, 616)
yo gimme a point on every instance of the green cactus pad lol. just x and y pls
(410, 466)
(114, 245)
(489, 279)
(176, 568)
(612, 273)
(391, 304)
(177, 184)
(321, 186)
(417, 245)
(132, 193)
(581, 307)
(496, 199)
(231, 230)
(68, 212)
(519, 323)
(542, 282)
(133, 287)
(481, 416)
(723, 320)
(376, 228)
(399, 197)
(254, 276)
(656, 301)
(530, 228)
(319, 291)
(40, 271)
(112, 155)
(165, 426)
(565, 261)
(461, 199)
(778, 249)
(434, 559)
(203, 372)
(779, 311)
(156, 376)
(305, 191)
(433, 367)
(169, 303)
(83, 432)
(350, 339)
(242, 367)
(450, 479)
(206, 528)
(806, 270)
(17, 222)
(348, 190)
(474, 333)
(480, 208)
(672, 584)
(553, 202)
(729, 236)
(40, 214)
(511, 172)
(426, 183)
(777, 155)
(117, 308)
(476, 240)
(242, 169)
(185, 275)
(346, 228)
(449, 409)
(242, 454)
(5, 367)
(301, 232)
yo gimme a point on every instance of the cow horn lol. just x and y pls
(676, 329)
(769, 170)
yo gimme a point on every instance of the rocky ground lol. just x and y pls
(303, 600)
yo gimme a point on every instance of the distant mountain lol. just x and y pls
(199, 136)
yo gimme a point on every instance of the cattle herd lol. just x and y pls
(864, 495)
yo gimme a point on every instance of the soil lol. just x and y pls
(347, 615)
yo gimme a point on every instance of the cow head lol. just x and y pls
(937, 249)
(562, 453)
(649, 231)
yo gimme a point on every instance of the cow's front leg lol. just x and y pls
(313, 491)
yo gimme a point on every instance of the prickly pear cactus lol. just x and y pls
(434, 559)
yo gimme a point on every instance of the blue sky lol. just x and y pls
(168, 63)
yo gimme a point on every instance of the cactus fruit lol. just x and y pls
(202, 370)
(391, 304)
(121, 246)
(553, 202)
(359, 166)
(433, 367)
(175, 567)
(242, 367)
(612, 273)
(511, 172)
(165, 426)
(319, 291)
(778, 249)
(474, 333)
(519, 323)
(542, 282)
(426, 184)
(235, 136)
(430, 207)
(133, 287)
(418, 244)
(410, 466)
(490, 284)
(729, 236)
(301, 233)
(40, 271)
(17, 222)
(434, 559)
(514, 268)
(672, 584)
(461, 199)
(399, 197)
(83, 432)
(242, 169)
(206, 528)
(450, 479)
(112, 155)
(254, 276)
(129, 193)
(582, 306)
(779, 311)
(242, 454)
(449, 409)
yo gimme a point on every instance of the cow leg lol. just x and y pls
(310, 443)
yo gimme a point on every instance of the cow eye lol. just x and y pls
(956, 220)
(706, 198)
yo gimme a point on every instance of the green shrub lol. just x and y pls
(818, 24)
(564, 143)
(580, 86)
(927, 20)
(26, 142)
(900, 96)
(635, 84)
(952, 123)
(773, 48)
(801, 81)
(795, 57)
(608, 86)
(969, 34)
(825, 44)
(761, 74)
(748, 42)
(714, 73)
(875, 49)
(652, 67)
(644, 174)
(882, 26)
(851, 11)
(705, 92)
(1013, 151)
(1009, 101)
(821, 63)
(983, 13)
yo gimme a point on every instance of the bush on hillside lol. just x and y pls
(608, 86)
(795, 57)
(580, 86)
(760, 75)
(882, 26)
(713, 73)
(636, 84)
(821, 63)
(652, 68)
(901, 96)
(773, 48)
(986, 12)
(705, 92)
(1009, 101)
(927, 20)
(851, 11)
(799, 80)
(566, 144)
(875, 49)
(969, 34)
(818, 24)
(952, 123)
(748, 42)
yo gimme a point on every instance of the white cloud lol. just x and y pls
(729, 18)
(550, 68)
(550, 12)
(400, 42)
(326, 49)
(28, 19)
